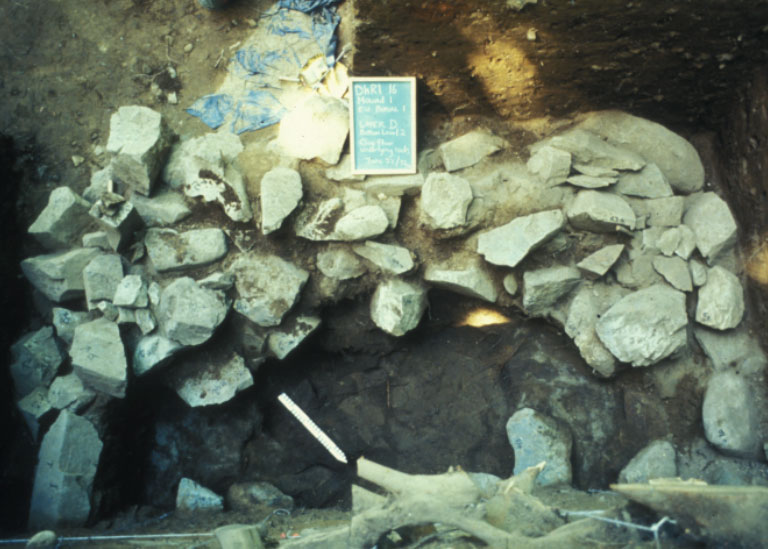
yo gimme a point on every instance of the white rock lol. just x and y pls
(389, 258)
(698, 272)
(465, 276)
(191, 496)
(587, 148)
(535, 438)
(520, 4)
(510, 284)
(671, 153)
(340, 264)
(645, 326)
(316, 128)
(281, 192)
(355, 198)
(542, 288)
(445, 199)
(36, 359)
(675, 271)
(509, 244)
(551, 165)
(267, 287)
(657, 460)
(69, 392)
(587, 306)
(598, 263)
(469, 149)
(59, 276)
(131, 292)
(687, 242)
(636, 270)
(153, 351)
(649, 182)
(101, 277)
(729, 415)
(669, 241)
(595, 171)
(730, 349)
(66, 466)
(361, 223)
(600, 211)
(62, 221)
(710, 219)
(188, 313)
(166, 208)
(397, 306)
(286, 338)
(317, 221)
(212, 151)
(126, 316)
(659, 212)
(395, 185)
(65, 322)
(139, 141)
(145, 320)
(98, 357)
(170, 250)
(218, 281)
(208, 378)
(101, 240)
(590, 181)
(721, 300)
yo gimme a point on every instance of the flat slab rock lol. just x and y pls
(170, 250)
(600, 211)
(509, 244)
(466, 277)
(205, 379)
(588, 148)
(389, 258)
(469, 149)
(645, 326)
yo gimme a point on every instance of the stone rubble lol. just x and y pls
(170, 250)
(466, 276)
(63, 220)
(98, 357)
(33, 407)
(711, 221)
(552, 165)
(389, 258)
(204, 380)
(649, 182)
(536, 437)
(600, 212)
(191, 496)
(397, 306)
(598, 263)
(59, 275)
(101, 276)
(469, 149)
(189, 313)
(445, 199)
(675, 271)
(542, 288)
(289, 336)
(509, 244)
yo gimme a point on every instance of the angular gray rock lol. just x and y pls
(587, 148)
(395, 185)
(536, 437)
(509, 244)
(287, 337)
(730, 349)
(63, 220)
(598, 263)
(66, 466)
(469, 149)
(69, 392)
(213, 151)
(164, 208)
(267, 287)
(59, 276)
(207, 379)
(101, 276)
(710, 219)
(218, 281)
(131, 292)
(675, 271)
(188, 313)
(390, 205)
(729, 415)
(542, 288)
(649, 182)
(397, 306)
(65, 322)
(657, 460)
(600, 211)
(551, 165)
(659, 212)
(117, 217)
(170, 250)
(721, 300)
(698, 272)
(281, 192)
(463, 275)
(315, 128)
(101, 240)
(687, 242)
(33, 407)
(144, 319)
(191, 496)
(153, 351)
(510, 284)
(339, 264)
(645, 326)
(98, 357)
(139, 141)
(675, 156)
(361, 223)
(36, 359)
(445, 199)
(590, 181)
(389, 258)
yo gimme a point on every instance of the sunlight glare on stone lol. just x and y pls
(477, 318)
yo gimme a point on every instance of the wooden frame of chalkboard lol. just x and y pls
(382, 118)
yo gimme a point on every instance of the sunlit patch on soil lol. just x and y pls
(477, 318)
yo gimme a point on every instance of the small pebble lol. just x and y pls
(188, 47)
(77, 160)
(532, 35)
(172, 98)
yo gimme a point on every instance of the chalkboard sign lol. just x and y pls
(383, 125)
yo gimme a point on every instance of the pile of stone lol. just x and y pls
(607, 227)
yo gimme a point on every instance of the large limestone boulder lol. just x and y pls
(445, 199)
(139, 140)
(536, 437)
(675, 156)
(189, 313)
(170, 250)
(59, 276)
(509, 244)
(721, 300)
(36, 359)
(397, 306)
(710, 219)
(98, 357)
(62, 221)
(267, 287)
(645, 326)
(66, 465)
(729, 415)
